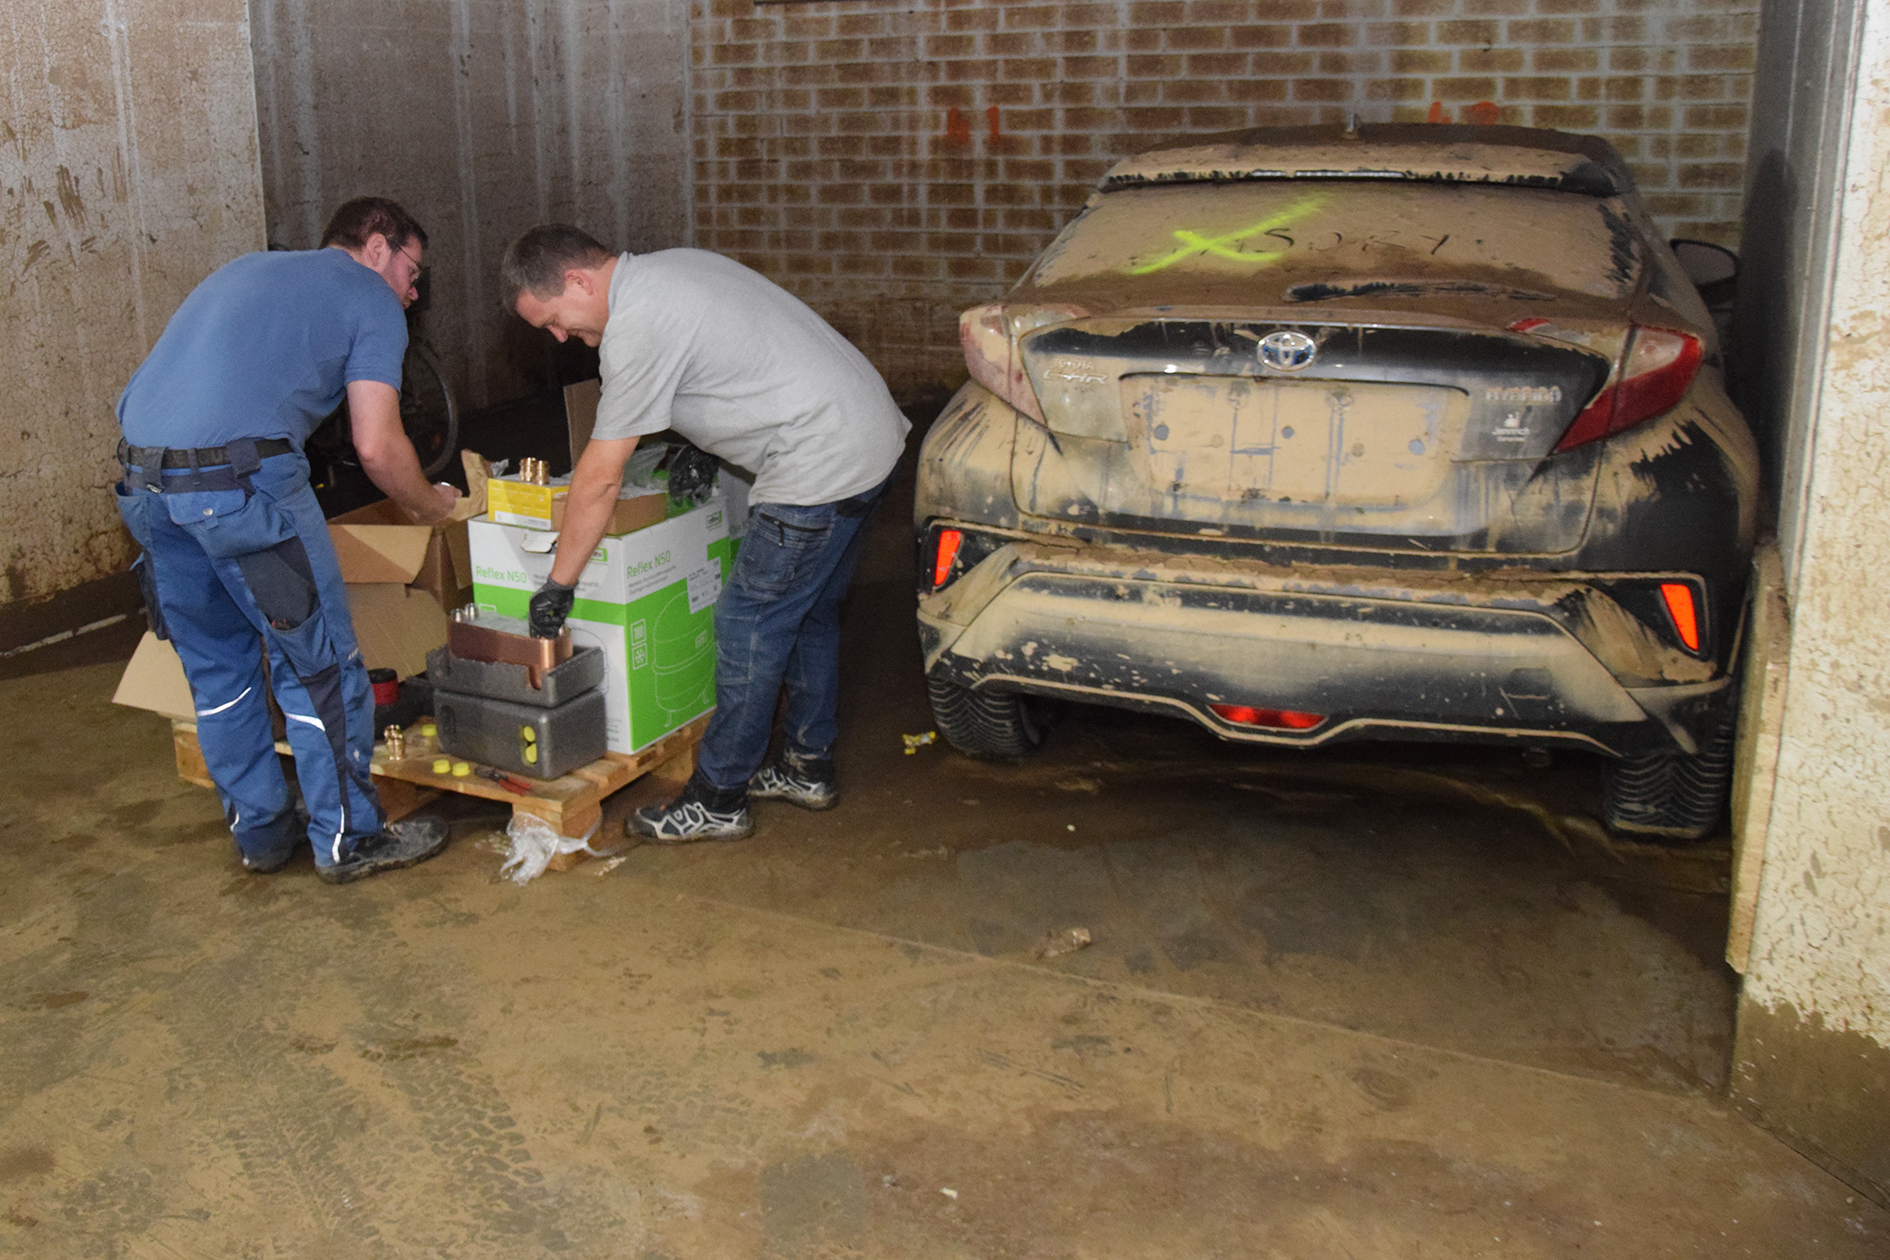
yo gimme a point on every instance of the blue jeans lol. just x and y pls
(228, 575)
(777, 623)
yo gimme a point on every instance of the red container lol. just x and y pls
(386, 684)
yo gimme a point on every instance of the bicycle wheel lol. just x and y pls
(428, 411)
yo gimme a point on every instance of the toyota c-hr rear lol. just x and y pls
(1306, 435)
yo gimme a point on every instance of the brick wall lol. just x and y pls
(893, 163)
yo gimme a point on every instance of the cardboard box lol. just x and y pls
(400, 576)
(647, 598)
(580, 417)
(636, 512)
(514, 502)
(511, 501)
(580, 413)
(380, 543)
(155, 680)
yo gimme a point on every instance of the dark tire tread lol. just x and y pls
(985, 724)
(1670, 795)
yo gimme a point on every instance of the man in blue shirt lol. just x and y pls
(237, 557)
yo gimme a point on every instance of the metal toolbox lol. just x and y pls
(527, 739)
(501, 680)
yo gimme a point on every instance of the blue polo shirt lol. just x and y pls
(265, 347)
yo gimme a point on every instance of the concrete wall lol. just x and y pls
(127, 174)
(482, 117)
(1812, 1059)
(894, 161)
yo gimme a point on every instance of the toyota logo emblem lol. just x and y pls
(1286, 351)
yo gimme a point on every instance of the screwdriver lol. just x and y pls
(511, 783)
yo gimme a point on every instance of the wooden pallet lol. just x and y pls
(573, 804)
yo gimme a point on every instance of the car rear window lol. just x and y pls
(1324, 238)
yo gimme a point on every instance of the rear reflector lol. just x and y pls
(1686, 620)
(1654, 374)
(1278, 719)
(949, 540)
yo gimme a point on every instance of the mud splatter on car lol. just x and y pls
(1305, 435)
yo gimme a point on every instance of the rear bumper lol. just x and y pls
(1459, 659)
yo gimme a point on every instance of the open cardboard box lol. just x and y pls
(380, 543)
(401, 578)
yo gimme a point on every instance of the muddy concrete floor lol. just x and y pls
(1368, 1003)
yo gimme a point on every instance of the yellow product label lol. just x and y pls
(511, 502)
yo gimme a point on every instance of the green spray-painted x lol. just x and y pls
(1193, 243)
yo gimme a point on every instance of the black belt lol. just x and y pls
(862, 503)
(211, 467)
(206, 456)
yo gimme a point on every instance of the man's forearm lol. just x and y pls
(387, 456)
(395, 469)
(586, 516)
(589, 506)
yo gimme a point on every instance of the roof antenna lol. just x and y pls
(1351, 125)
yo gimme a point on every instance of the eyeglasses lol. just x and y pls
(419, 270)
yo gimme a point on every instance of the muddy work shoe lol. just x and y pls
(808, 784)
(695, 815)
(267, 849)
(267, 863)
(397, 844)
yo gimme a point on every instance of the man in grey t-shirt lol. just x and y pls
(692, 341)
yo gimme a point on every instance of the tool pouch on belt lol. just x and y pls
(222, 510)
(147, 588)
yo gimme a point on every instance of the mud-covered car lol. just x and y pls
(1410, 432)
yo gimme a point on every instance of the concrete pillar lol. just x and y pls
(127, 173)
(1812, 1059)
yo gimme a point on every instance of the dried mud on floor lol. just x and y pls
(1354, 1006)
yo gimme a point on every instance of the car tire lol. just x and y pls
(1670, 796)
(987, 724)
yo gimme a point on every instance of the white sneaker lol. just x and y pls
(686, 820)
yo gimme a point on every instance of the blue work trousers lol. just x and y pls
(777, 623)
(231, 574)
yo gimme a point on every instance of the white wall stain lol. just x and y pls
(1822, 933)
(127, 174)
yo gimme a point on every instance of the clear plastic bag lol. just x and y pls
(534, 842)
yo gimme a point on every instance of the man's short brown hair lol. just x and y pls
(354, 221)
(536, 262)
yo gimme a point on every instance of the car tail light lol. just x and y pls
(1686, 618)
(989, 336)
(949, 541)
(1278, 719)
(1652, 375)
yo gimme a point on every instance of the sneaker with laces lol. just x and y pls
(797, 783)
(688, 819)
(397, 844)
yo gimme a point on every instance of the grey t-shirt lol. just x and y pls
(745, 370)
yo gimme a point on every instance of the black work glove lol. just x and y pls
(549, 607)
(691, 474)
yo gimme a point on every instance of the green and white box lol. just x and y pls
(647, 598)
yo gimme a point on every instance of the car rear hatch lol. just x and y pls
(1372, 363)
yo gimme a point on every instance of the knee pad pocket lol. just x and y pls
(282, 583)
